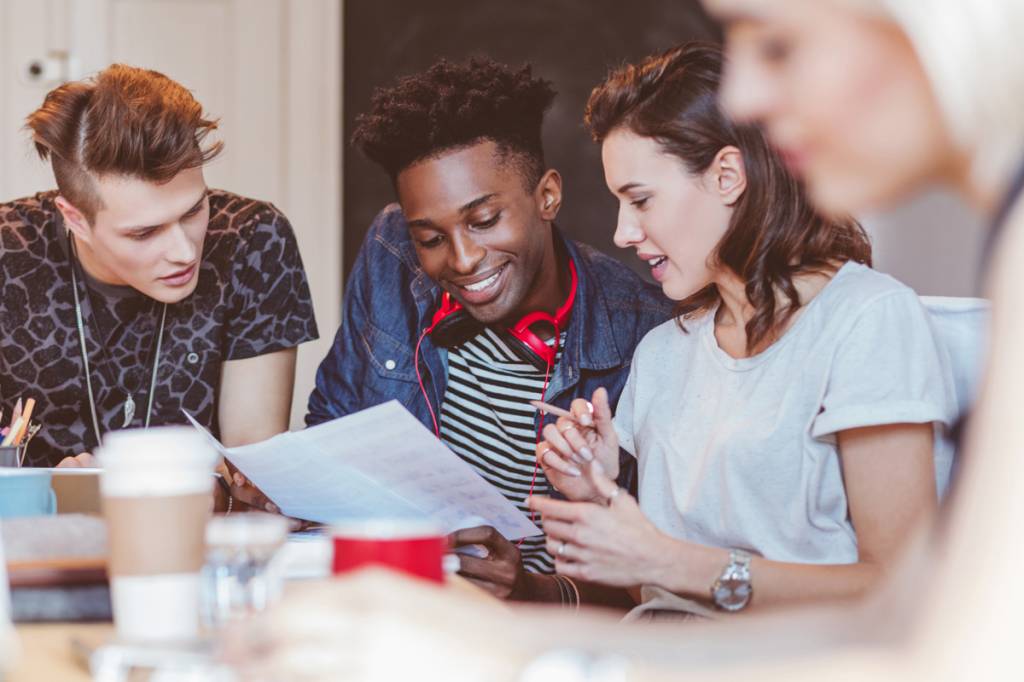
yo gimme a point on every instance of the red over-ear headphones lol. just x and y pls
(452, 325)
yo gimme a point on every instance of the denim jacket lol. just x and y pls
(389, 301)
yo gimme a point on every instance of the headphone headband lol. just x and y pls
(452, 325)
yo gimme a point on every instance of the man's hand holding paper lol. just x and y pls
(380, 462)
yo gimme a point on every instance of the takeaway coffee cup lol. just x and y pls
(410, 546)
(156, 486)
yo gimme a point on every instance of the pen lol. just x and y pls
(551, 409)
(33, 429)
(15, 427)
(16, 413)
(30, 405)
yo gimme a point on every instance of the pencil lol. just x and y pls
(15, 427)
(30, 405)
(16, 413)
(551, 409)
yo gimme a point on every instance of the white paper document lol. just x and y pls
(377, 463)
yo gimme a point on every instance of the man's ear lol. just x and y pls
(549, 195)
(729, 174)
(74, 220)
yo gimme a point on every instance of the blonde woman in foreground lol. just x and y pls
(872, 100)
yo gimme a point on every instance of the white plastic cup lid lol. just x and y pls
(246, 528)
(165, 460)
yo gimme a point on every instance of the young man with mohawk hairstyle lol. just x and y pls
(135, 291)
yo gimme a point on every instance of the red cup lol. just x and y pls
(416, 548)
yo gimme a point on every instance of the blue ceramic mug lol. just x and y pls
(26, 492)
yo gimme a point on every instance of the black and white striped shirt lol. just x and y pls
(488, 421)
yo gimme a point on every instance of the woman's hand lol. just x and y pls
(610, 542)
(84, 460)
(586, 441)
(347, 629)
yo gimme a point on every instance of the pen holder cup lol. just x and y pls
(13, 456)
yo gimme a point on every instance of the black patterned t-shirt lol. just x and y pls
(251, 299)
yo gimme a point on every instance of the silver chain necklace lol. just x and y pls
(129, 403)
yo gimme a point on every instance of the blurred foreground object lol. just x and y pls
(157, 488)
(238, 579)
(377, 625)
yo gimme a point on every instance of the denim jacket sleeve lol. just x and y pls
(333, 394)
(370, 360)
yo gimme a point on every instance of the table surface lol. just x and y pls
(48, 651)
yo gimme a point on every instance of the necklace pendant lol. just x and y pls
(129, 410)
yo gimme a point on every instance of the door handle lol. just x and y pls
(53, 69)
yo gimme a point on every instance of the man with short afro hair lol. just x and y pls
(466, 301)
(451, 106)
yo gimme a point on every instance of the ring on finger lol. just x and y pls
(561, 549)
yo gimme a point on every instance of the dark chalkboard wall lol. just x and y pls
(569, 42)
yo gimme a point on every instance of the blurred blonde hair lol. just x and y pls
(970, 50)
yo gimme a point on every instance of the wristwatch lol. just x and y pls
(732, 590)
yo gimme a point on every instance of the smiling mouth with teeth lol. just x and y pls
(655, 262)
(484, 283)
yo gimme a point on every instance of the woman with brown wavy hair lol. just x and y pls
(785, 423)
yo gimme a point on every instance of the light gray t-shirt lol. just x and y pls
(742, 453)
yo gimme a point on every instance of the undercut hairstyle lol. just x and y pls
(124, 121)
(451, 106)
(774, 234)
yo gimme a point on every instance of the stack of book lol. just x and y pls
(57, 568)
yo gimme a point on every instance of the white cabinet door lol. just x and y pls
(32, 42)
(270, 70)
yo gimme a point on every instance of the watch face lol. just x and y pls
(732, 594)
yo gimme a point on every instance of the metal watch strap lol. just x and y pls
(732, 590)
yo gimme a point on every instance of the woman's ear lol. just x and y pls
(730, 174)
(74, 220)
(549, 195)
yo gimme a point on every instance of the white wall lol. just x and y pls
(932, 243)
